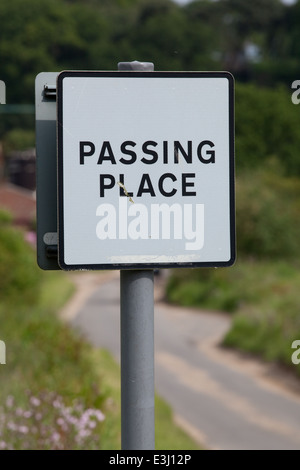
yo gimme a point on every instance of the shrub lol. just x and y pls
(267, 125)
(267, 213)
(19, 274)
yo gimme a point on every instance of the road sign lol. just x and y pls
(145, 169)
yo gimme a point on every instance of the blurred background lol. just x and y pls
(259, 43)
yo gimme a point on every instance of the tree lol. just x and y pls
(43, 36)
(242, 31)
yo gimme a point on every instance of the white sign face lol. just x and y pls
(146, 170)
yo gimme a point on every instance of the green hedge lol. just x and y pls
(267, 125)
(20, 278)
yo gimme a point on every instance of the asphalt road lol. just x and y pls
(224, 400)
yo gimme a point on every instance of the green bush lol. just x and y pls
(266, 125)
(269, 326)
(18, 139)
(19, 275)
(248, 282)
(267, 213)
(205, 287)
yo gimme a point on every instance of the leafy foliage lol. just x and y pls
(267, 126)
(268, 323)
(267, 213)
(49, 36)
(19, 275)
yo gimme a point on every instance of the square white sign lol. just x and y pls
(145, 169)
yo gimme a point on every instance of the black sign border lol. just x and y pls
(60, 199)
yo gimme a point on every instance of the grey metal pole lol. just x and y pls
(137, 360)
(137, 346)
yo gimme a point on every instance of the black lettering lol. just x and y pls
(110, 184)
(148, 151)
(106, 147)
(85, 153)
(186, 155)
(165, 151)
(161, 181)
(208, 152)
(122, 192)
(186, 184)
(126, 151)
(142, 189)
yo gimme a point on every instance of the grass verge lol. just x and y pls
(54, 384)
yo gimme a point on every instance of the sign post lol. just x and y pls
(145, 181)
(137, 360)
